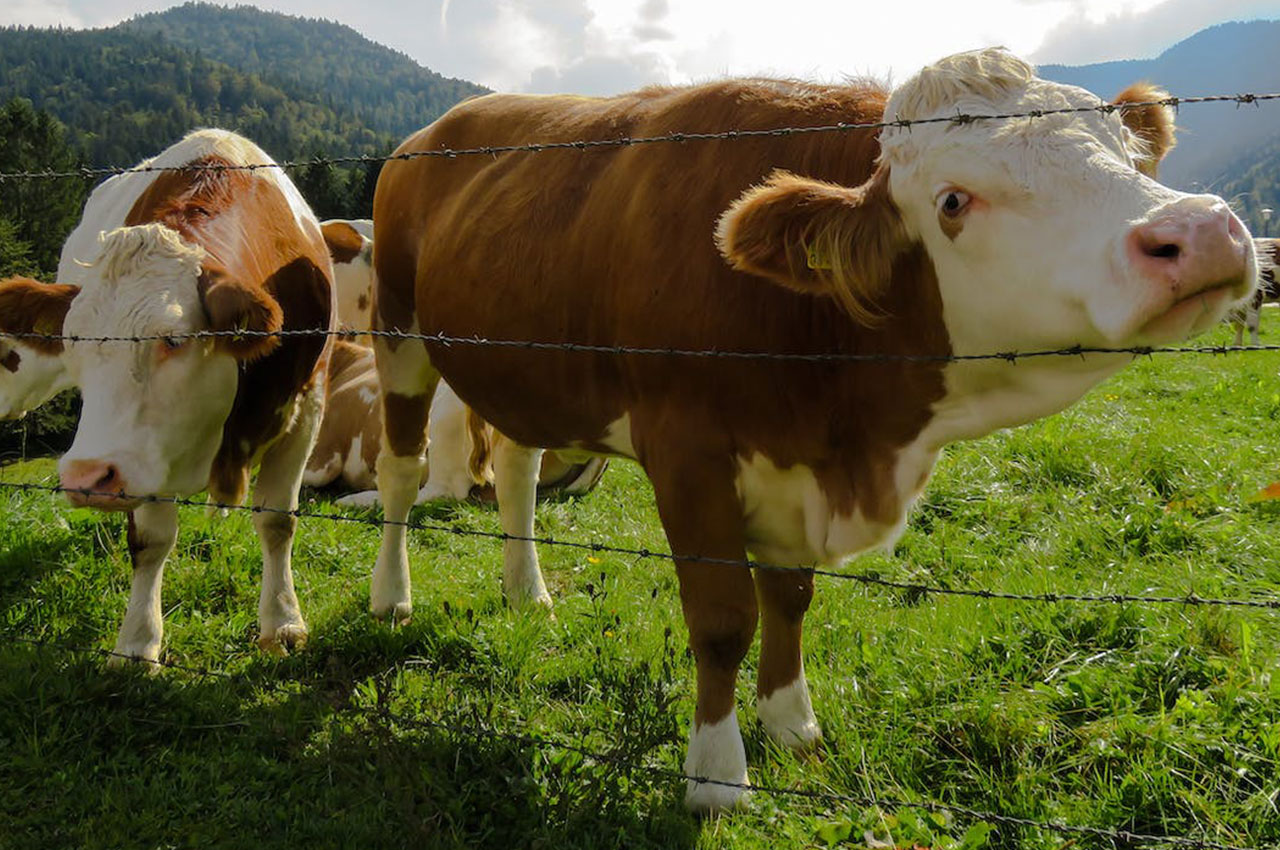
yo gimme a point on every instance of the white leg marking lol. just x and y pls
(142, 630)
(515, 479)
(787, 715)
(716, 752)
(398, 477)
(280, 624)
(363, 499)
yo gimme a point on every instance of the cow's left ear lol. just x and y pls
(235, 306)
(1152, 125)
(817, 238)
(30, 307)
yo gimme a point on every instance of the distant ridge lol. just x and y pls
(382, 88)
(1231, 58)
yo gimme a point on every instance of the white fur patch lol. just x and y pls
(716, 752)
(787, 715)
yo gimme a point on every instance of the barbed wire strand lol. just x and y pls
(650, 351)
(646, 553)
(958, 119)
(481, 731)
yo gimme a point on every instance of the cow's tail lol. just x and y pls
(480, 461)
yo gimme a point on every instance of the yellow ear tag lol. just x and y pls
(816, 260)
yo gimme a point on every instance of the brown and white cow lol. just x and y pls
(913, 242)
(168, 253)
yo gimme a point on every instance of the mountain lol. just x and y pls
(300, 88)
(1217, 142)
(382, 89)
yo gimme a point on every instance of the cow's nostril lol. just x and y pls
(110, 478)
(1166, 251)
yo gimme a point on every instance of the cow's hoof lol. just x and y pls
(707, 799)
(787, 717)
(363, 499)
(398, 614)
(131, 659)
(288, 638)
(717, 768)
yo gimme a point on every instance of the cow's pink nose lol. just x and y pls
(1190, 245)
(95, 484)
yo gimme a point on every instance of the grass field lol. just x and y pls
(1151, 718)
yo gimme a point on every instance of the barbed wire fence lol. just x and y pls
(958, 119)
(484, 731)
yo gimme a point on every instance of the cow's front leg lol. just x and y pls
(280, 624)
(781, 690)
(515, 482)
(408, 381)
(153, 528)
(702, 516)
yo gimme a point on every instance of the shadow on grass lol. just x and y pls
(107, 758)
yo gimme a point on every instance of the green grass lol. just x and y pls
(1149, 718)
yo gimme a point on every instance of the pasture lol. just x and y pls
(1152, 718)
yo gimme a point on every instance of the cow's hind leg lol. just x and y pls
(280, 623)
(702, 516)
(153, 528)
(408, 381)
(783, 703)
(515, 481)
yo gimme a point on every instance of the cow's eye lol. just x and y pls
(954, 203)
(170, 345)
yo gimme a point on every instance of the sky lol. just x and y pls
(607, 46)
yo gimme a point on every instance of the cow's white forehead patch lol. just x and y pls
(990, 81)
(128, 252)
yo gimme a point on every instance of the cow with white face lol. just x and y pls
(157, 255)
(918, 243)
(30, 375)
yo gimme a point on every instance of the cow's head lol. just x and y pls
(352, 255)
(153, 410)
(1043, 231)
(31, 370)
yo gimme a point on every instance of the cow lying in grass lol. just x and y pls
(159, 254)
(918, 243)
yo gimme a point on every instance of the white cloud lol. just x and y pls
(1141, 31)
(40, 13)
(602, 46)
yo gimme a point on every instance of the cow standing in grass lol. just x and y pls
(918, 243)
(203, 247)
(1249, 315)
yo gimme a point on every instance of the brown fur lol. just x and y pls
(818, 238)
(482, 439)
(344, 241)
(232, 306)
(28, 306)
(271, 262)
(1154, 125)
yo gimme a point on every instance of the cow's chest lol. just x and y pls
(790, 519)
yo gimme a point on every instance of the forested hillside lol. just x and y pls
(383, 89)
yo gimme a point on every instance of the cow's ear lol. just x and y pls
(343, 241)
(235, 306)
(1151, 124)
(818, 238)
(30, 307)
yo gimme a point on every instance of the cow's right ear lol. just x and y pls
(817, 238)
(235, 306)
(30, 307)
